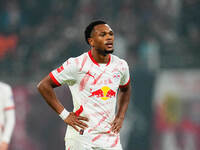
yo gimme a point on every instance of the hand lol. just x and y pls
(3, 146)
(75, 121)
(117, 124)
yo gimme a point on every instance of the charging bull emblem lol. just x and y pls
(104, 93)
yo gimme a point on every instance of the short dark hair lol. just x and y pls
(90, 27)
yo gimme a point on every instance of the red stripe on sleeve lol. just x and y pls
(54, 79)
(123, 86)
(61, 68)
(9, 108)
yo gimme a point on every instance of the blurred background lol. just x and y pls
(160, 39)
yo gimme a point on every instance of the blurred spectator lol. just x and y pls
(37, 30)
(7, 43)
(149, 53)
(7, 115)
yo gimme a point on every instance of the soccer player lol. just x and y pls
(97, 80)
(7, 115)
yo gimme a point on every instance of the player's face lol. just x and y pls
(102, 39)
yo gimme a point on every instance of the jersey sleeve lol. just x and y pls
(9, 101)
(125, 79)
(9, 113)
(65, 74)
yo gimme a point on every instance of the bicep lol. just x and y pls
(126, 89)
(51, 82)
(47, 81)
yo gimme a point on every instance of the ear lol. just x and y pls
(91, 42)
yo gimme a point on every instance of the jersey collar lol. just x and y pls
(94, 61)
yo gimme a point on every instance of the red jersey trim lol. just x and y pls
(54, 79)
(109, 60)
(94, 61)
(61, 68)
(9, 108)
(79, 111)
(123, 86)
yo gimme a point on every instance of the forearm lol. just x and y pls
(45, 87)
(46, 90)
(9, 126)
(123, 101)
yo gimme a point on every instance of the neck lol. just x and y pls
(99, 58)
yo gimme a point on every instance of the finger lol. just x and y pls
(75, 128)
(79, 125)
(116, 130)
(82, 118)
(83, 124)
(113, 125)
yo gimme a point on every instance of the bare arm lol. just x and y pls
(123, 101)
(45, 87)
(4, 146)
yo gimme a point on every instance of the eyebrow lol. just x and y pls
(100, 32)
(106, 32)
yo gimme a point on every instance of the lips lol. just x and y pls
(109, 44)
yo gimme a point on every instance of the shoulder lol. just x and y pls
(77, 59)
(75, 63)
(118, 61)
(5, 87)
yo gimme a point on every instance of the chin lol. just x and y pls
(109, 51)
(105, 52)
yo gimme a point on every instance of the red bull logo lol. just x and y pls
(104, 93)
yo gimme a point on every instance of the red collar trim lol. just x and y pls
(109, 60)
(94, 61)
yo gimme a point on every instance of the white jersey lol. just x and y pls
(7, 117)
(94, 90)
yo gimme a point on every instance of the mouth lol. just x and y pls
(109, 44)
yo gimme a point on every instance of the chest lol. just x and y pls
(104, 78)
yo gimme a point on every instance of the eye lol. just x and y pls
(102, 34)
(111, 33)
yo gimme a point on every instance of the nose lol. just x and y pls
(109, 37)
